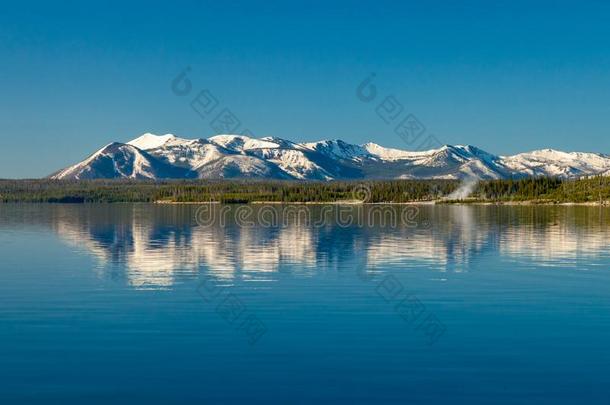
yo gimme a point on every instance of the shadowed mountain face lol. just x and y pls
(237, 156)
(118, 160)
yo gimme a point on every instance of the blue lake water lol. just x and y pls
(137, 303)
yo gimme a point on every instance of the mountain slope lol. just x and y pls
(549, 162)
(117, 160)
(237, 156)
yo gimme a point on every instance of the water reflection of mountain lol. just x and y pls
(157, 245)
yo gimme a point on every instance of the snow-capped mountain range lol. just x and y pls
(237, 156)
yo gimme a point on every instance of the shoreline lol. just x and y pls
(340, 202)
(529, 203)
(345, 203)
(425, 202)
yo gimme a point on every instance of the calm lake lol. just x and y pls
(139, 303)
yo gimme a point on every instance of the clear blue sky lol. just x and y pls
(505, 76)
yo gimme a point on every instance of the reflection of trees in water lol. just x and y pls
(154, 246)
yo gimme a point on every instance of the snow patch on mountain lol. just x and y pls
(240, 167)
(390, 154)
(295, 163)
(241, 143)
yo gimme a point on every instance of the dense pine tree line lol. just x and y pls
(549, 189)
(238, 191)
(247, 191)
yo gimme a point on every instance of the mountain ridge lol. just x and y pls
(231, 156)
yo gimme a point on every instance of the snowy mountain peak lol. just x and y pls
(550, 162)
(390, 154)
(119, 160)
(238, 156)
(150, 141)
(280, 142)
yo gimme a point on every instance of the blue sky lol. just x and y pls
(505, 76)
